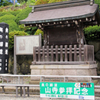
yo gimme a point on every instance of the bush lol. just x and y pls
(4, 13)
(15, 13)
(5, 3)
(7, 17)
(38, 2)
(27, 29)
(92, 32)
(97, 2)
(12, 25)
(11, 37)
(53, 1)
(31, 30)
(31, 2)
(23, 14)
(39, 31)
(20, 1)
(10, 20)
(23, 28)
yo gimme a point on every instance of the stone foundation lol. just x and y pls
(72, 70)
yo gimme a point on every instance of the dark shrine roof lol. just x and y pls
(50, 13)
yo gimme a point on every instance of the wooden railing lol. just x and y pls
(63, 54)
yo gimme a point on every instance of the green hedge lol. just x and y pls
(12, 25)
(53, 1)
(4, 13)
(92, 32)
(23, 14)
(15, 13)
(7, 17)
(38, 2)
(10, 20)
(11, 37)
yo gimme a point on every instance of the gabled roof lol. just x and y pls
(62, 12)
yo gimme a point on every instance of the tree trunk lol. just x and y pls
(14, 2)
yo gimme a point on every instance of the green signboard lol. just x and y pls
(67, 90)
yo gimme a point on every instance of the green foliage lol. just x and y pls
(11, 37)
(1, 2)
(12, 25)
(4, 13)
(23, 14)
(97, 2)
(17, 5)
(53, 1)
(20, 1)
(7, 17)
(38, 2)
(39, 31)
(10, 20)
(31, 2)
(31, 30)
(15, 12)
(27, 29)
(5, 3)
(22, 27)
(92, 32)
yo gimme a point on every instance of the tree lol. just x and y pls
(14, 2)
(1, 2)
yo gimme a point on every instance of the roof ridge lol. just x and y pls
(63, 4)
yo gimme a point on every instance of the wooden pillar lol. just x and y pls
(45, 39)
(16, 91)
(3, 90)
(20, 90)
(79, 34)
(24, 91)
(28, 91)
(15, 57)
(83, 34)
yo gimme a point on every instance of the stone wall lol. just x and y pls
(73, 70)
(96, 53)
(23, 64)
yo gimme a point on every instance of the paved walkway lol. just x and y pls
(13, 97)
(35, 97)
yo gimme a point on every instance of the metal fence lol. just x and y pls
(25, 79)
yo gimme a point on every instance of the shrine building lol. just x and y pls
(64, 50)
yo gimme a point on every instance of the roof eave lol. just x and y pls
(59, 19)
